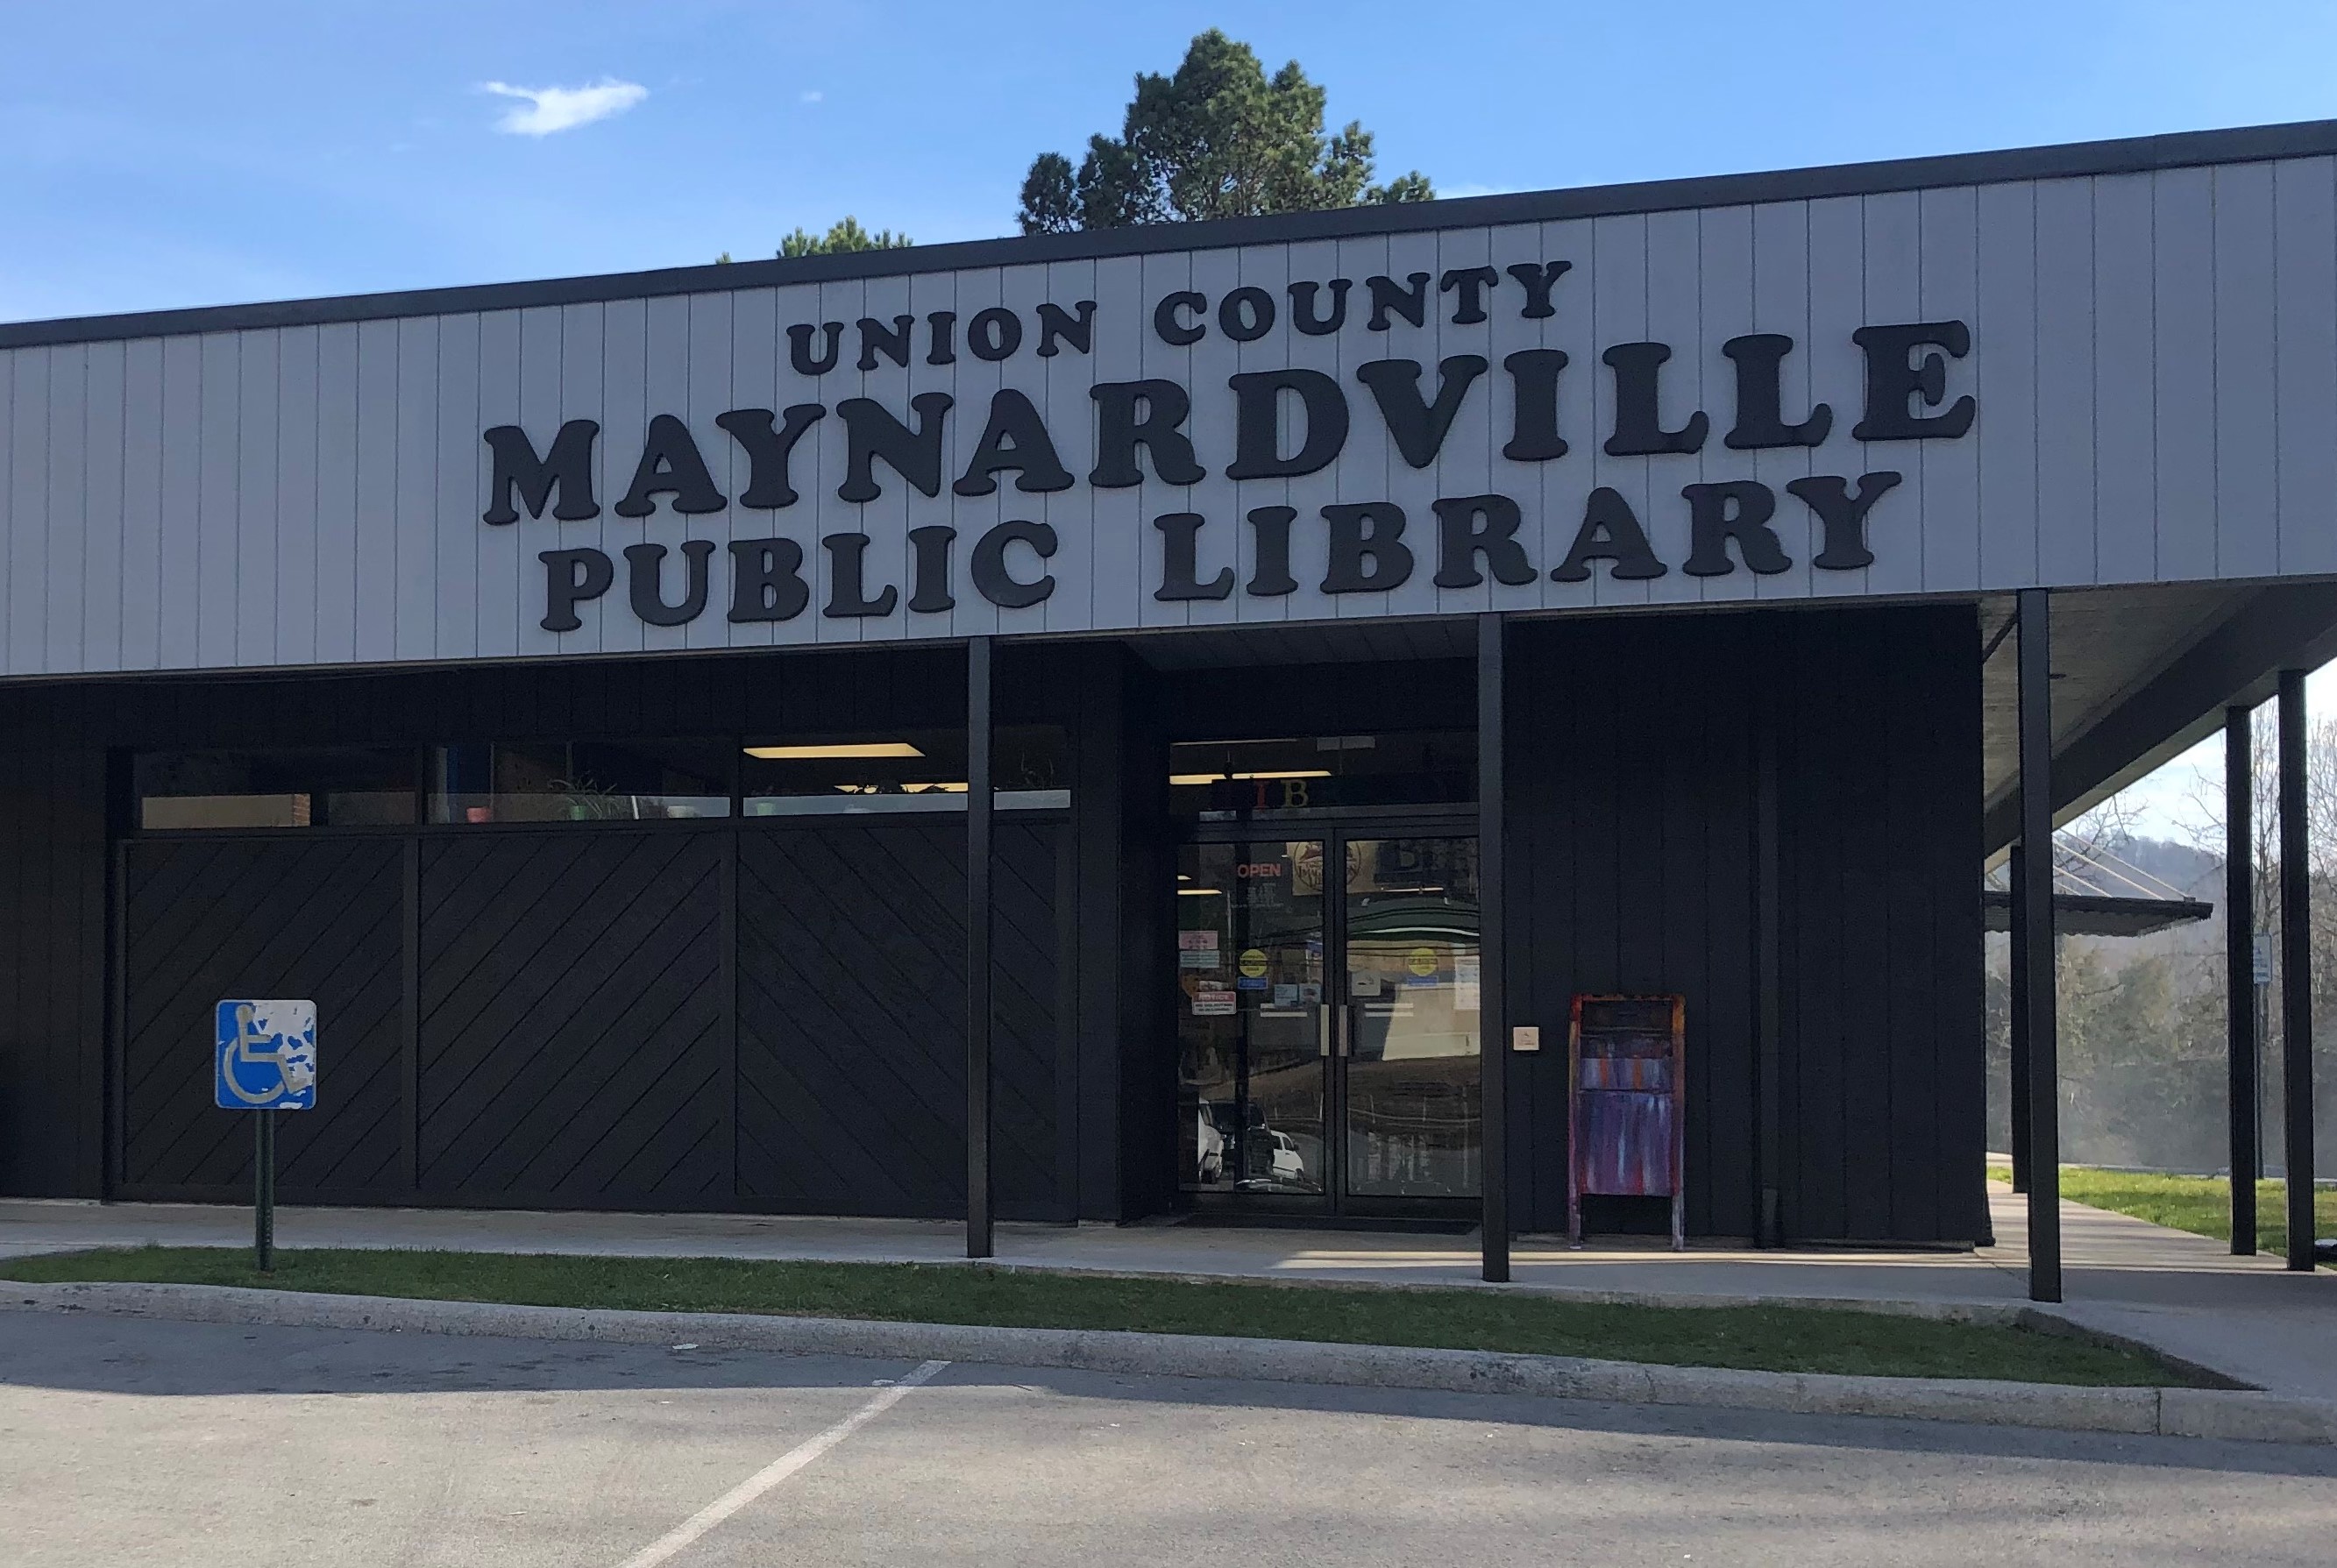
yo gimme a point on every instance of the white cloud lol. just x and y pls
(1476, 190)
(551, 108)
(813, 96)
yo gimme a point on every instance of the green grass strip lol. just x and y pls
(2199, 1204)
(1767, 1339)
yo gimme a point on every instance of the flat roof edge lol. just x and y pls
(2130, 155)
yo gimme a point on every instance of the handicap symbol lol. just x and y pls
(268, 1054)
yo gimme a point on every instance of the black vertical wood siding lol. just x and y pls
(1633, 766)
(53, 933)
(1880, 773)
(581, 977)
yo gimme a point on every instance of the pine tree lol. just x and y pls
(1219, 139)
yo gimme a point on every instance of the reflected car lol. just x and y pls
(1212, 1145)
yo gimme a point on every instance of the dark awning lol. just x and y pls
(2096, 915)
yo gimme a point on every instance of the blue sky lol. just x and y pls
(195, 152)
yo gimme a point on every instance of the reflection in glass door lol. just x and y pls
(1328, 1026)
(1412, 1124)
(1253, 1044)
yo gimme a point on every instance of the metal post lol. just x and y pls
(2017, 1085)
(2239, 964)
(1768, 1013)
(1492, 932)
(263, 1190)
(2295, 971)
(2032, 894)
(979, 803)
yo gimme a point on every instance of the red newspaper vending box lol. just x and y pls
(1626, 1103)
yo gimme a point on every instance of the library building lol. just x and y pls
(1495, 714)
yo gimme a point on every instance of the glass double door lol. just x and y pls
(1328, 1008)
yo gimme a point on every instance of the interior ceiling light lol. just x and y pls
(1195, 778)
(1201, 892)
(1287, 773)
(855, 751)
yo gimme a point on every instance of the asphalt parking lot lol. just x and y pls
(195, 1444)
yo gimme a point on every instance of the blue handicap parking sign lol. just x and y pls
(267, 1056)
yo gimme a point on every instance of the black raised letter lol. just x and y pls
(871, 432)
(848, 592)
(1537, 278)
(568, 466)
(894, 341)
(1417, 426)
(671, 465)
(1470, 525)
(1173, 332)
(1739, 510)
(646, 564)
(1056, 323)
(1142, 413)
(942, 325)
(1891, 379)
(1245, 314)
(767, 579)
(1015, 438)
(1410, 302)
(1468, 286)
(1368, 554)
(569, 578)
(1180, 553)
(767, 451)
(1842, 515)
(1760, 359)
(1257, 423)
(987, 565)
(799, 348)
(1610, 531)
(1271, 527)
(994, 333)
(1534, 426)
(929, 570)
(1639, 421)
(1301, 307)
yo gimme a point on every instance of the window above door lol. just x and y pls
(1228, 780)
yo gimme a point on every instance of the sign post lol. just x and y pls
(265, 1062)
(2262, 969)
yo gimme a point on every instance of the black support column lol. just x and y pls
(2017, 1093)
(2033, 897)
(1492, 934)
(2295, 971)
(1769, 971)
(2239, 965)
(980, 801)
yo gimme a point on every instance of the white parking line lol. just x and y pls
(776, 1471)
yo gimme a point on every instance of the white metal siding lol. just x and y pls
(2154, 356)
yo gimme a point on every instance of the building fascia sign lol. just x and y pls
(1266, 425)
(2075, 367)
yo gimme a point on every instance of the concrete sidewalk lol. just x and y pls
(2248, 1319)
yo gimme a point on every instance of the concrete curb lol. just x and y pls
(1943, 1311)
(2239, 1414)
